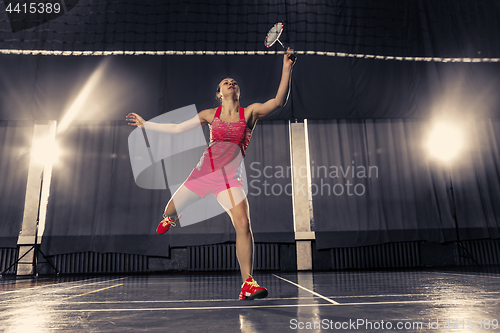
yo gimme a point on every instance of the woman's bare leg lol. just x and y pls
(182, 198)
(240, 215)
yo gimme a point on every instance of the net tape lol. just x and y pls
(232, 53)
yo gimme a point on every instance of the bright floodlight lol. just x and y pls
(445, 141)
(45, 151)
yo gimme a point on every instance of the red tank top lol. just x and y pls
(235, 132)
(228, 143)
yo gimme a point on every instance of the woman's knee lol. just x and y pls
(241, 224)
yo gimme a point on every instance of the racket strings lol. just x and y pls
(274, 34)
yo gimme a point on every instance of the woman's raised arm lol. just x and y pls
(261, 110)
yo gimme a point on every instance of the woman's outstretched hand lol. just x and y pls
(134, 119)
(289, 58)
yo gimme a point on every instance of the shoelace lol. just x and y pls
(253, 283)
(167, 220)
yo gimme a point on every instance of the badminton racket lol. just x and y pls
(273, 36)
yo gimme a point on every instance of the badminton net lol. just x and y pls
(410, 30)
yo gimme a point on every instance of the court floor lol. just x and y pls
(364, 301)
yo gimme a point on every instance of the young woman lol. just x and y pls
(230, 126)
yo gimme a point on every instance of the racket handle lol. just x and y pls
(293, 57)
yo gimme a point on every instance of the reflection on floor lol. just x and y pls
(381, 301)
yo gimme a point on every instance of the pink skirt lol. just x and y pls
(214, 182)
(219, 169)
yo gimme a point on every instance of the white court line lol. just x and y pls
(56, 290)
(312, 292)
(196, 308)
(275, 299)
(190, 300)
(449, 301)
(440, 302)
(469, 275)
(94, 291)
(407, 295)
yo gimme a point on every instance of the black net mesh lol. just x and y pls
(445, 30)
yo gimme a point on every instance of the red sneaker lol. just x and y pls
(166, 223)
(251, 290)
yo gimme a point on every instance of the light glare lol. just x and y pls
(82, 100)
(45, 151)
(445, 141)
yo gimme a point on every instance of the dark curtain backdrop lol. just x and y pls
(15, 143)
(271, 211)
(397, 191)
(95, 204)
(44, 88)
